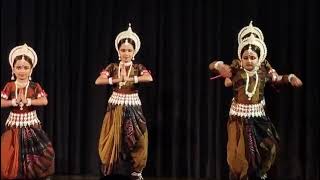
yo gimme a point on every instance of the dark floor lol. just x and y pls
(98, 178)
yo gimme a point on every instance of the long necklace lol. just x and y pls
(25, 92)
(250, 94)
(119, 75)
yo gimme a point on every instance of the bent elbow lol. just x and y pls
(150, 79)
(45, 102)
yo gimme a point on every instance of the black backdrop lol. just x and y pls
(186, 113)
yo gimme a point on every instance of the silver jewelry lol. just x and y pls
(119, 74)
(12, 76)
(110, 80)
(25, 92)
(28, 102)
(14, 102)
(290, 77)
(250, 94)
(217, 64)
(136, 80)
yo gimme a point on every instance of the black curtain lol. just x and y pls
(186, 112)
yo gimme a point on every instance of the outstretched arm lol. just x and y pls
(223, 69)
(291, 78)
(227, 82)
(272, 73)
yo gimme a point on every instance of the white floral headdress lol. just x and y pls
(250, 29)
(23, 50)
(128, 34)
(252, 40)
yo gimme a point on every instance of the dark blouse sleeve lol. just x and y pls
(267, 65)
(5, 93)
(39, 92)
(235, 66)
(108, 71)
(142, 70)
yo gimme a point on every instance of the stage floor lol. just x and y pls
(98, 178)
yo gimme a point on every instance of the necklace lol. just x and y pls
(21, 84)
(250, 94)
(126, 63)
(25, 92)
(119, 75)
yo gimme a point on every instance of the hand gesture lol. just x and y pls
(18, 98)
(227, 82)
(22, 97)
(123, 70)
(104, 74)
(274, 76)
(295, 81)
(224, 70)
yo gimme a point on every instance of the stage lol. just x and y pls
(74, 177)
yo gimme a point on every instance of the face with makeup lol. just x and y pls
(250, 57)
(126, 50)
(249, 60)
(22, 67)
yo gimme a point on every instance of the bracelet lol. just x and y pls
(28, 102)
(217, 63)
(14, 102)
(271, 71)
(136, 80)
(290, 77)
(110, 80)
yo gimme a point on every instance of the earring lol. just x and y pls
(30, 76)
(241, 65)
(132, 58)
(12, 76)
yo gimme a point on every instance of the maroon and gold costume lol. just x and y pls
(123, 143)
(26, 151)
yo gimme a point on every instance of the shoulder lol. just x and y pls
(139, 66)
(34, 85)
(236, 63)
(111, 65)
(9, 84)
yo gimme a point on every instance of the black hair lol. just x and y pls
(129, 40)
(254, 48)
(249, 34)
(27, 58)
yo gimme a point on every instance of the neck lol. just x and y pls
(126, 63)
(255, 69)
(22, 83)
(22, 80)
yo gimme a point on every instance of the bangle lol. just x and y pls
(290, 77)
(28, 102)
(136, 80)
(271, 71)
(110, 80)
(14, 102)
(217, 63)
